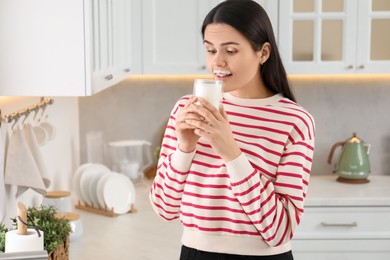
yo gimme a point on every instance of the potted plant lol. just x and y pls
(56, 230)
(3, 230)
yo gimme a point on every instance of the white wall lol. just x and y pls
(61, 154)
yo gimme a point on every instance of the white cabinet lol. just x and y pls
(172, 41)
(114, 23)
(335, 37)
(345, 221)
(63, 47)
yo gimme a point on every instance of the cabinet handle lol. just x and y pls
(203, 67)
(109, 77)
(349, 67)
(353, 224)
(361, 67)
(127, 70)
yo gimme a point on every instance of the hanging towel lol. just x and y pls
(35, 149)
(20, 167)
(2, 187)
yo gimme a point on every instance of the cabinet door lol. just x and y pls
(373, 42)
(42, 48)
(333, 37)
(318, 36)
(172, 42)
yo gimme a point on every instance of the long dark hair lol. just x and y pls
(250, 19)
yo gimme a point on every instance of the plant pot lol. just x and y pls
(61, 252)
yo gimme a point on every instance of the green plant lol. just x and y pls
(3, 230)
(55, 229)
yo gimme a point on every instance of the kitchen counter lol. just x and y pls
(144, 236)
(326, 191)
(139, 236)
(345, 221)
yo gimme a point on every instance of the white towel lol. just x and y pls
(35, 149)
(20, 166)
(2, 187)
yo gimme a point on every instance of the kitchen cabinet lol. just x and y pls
(114, 24)
(345, 221)
(172, 41)
(64, 47)
(335, 37)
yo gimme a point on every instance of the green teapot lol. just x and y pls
(353, 164)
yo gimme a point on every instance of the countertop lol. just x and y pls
(132, 236)
(326, 191)
(144, 236)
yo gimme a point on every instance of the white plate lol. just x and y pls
(99, 189)
(92, 189)
(86, 176)
(118, 193)
(76, 180)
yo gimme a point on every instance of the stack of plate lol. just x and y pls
(97, 186)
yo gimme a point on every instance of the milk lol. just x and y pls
(211, 90)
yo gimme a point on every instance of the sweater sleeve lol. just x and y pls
(172, 171)
(275, 207)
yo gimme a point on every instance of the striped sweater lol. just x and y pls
(248, 206)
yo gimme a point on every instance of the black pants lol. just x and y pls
(188, 253)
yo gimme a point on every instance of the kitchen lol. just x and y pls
(351, 101)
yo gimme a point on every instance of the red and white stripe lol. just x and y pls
(260, 194)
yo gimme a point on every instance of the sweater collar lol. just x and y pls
(253, 102)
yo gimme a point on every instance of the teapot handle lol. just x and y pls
(333, 149)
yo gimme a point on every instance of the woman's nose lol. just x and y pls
(219, 60)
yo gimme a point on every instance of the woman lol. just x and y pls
(237, 176)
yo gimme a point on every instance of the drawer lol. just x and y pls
(344, 223)
(339, 249)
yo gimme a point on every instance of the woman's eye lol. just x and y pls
(211, 51)
(231, 52)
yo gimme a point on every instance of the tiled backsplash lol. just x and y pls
(138, 109)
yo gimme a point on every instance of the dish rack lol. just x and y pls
(108, 212)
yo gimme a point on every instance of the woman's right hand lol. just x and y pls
(185, 133)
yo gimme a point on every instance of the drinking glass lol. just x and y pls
(209, 89)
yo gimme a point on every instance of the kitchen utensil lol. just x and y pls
(93, 188)
(49, 128)
(75, 223)
(76, 179)
(353, 165)
(100, 188)
(131, 157)
(58, 199)
(87, 175)
(209, 89)
(117, 191)
(81, 187)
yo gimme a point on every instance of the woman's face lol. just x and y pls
(232, 59)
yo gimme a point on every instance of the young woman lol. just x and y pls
(237, 176)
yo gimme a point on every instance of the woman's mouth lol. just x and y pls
(221, 74)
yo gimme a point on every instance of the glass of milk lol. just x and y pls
(209, 89)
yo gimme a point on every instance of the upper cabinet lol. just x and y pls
(114, 24)
(64, 47)
(335, 36)
(172, 40)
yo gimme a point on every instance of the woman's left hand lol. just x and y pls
(215, 128)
